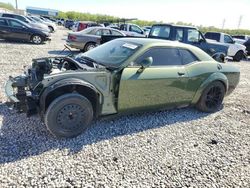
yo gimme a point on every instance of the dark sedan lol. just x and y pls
(13, 29)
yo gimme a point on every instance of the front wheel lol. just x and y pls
(212, 97)
(69, 115)
(238, 56)
(36, 39)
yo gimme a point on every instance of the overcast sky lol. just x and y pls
(198, 12)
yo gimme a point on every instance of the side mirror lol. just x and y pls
(201, 40)
(145, 63)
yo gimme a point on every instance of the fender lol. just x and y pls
(217, 76)
(67, 82)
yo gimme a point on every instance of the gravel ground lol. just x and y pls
(175, 148)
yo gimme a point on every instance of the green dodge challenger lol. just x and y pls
(122, 76)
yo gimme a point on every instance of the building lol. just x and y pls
(42, 11)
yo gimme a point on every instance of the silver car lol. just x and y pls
(89, 38)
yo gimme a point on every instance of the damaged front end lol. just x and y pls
(19, 97)
(23, 91)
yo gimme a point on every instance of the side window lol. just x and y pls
(193, 35)
(123, 28)
(3, 23)
(179, 34)
(116, 33)
(106, 32)
(228, 39)
(135, 29)
(187, 56)
(213, 36)
(16, 24)
(99, 32)
(162, 56)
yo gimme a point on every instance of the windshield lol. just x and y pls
(111, 54)
(37, 19)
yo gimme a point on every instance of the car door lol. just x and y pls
(194, 37)
(18, 30)
(161, 85)
(4, 29)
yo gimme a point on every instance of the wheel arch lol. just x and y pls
(212, 78)
(87, 43)
(71, 85)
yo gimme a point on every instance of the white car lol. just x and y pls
(52, 26)
(132, 30)
(236, 51)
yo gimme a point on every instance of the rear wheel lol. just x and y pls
(89, 46)
(69, 115)
(212, 97)
(238, 56)
(36, 39)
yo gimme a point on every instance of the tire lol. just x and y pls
(212, 97)
(51, 30)
(89, 46)
(68, 115)
(37, 39)
(238, 56)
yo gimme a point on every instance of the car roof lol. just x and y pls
(7, 18)
(11, 14)
(174, 25)
(167, 43)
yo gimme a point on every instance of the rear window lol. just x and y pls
(160, 32)
(213, 36)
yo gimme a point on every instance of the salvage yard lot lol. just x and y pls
(182, 147)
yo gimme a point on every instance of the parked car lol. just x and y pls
(236, 51)
(189, 35)
(89, 38)
(52, 26)
(132, 30)
(122, 76)
(247, 44)
(60, 21)
(243, 37)
(81, 25)
(26, 20)
(13, 29)
(69, 24)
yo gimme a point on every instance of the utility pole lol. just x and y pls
(240, 20)
(16, 5)
(223, 23)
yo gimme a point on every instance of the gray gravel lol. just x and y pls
(175, 148)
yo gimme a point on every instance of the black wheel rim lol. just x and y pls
(214, 98)
(71, 117)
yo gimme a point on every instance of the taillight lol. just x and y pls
(72, 37)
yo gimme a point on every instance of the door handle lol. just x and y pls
(181, 73)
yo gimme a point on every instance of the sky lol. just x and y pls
(198, 12)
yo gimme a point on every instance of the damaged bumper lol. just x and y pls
(19, 97)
